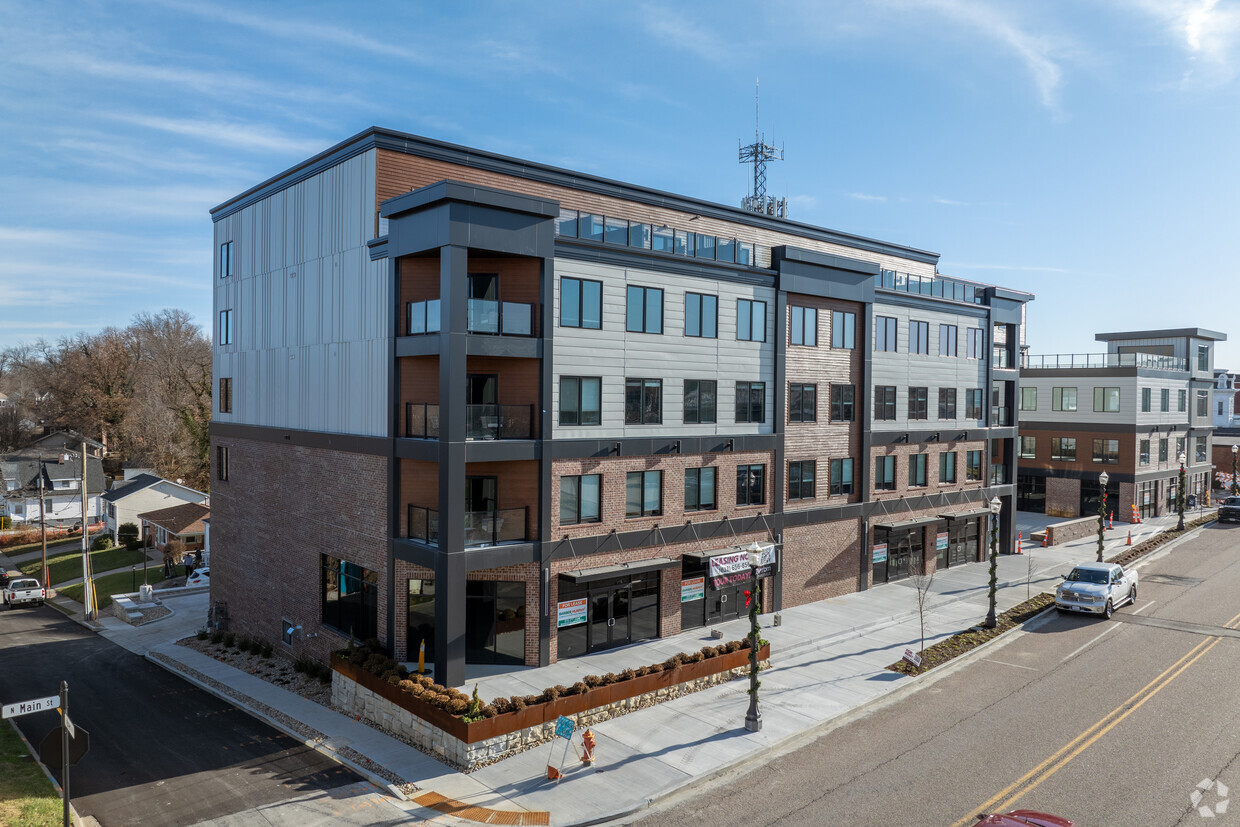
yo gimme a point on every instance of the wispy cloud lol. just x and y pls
(862, 196)
(248, 136)
(1208, 30)
(1029, 268)
(690, 34)
(948, 202)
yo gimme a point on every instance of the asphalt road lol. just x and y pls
(1107, 723)
(161, 751)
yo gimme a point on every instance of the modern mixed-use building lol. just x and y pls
(517, 413)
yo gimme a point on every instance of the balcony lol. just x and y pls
(1001, 358)
(482, 528)
(483, 316)
(1104, 360)
(998, 475)
(481, 421)
(1000, 417)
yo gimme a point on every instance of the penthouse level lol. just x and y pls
(526, 413)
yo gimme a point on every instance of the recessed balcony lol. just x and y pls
(483, 316)
(482, 528)
(482, 422)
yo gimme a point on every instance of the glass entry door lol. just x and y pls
(726, 602)
(609, 617)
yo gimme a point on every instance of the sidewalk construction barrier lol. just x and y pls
(1044, 533)
(1020, 542)
(1136, 517)
(1129, 538)
(1111, 521)
(563, 729)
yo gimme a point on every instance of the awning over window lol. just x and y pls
(894, 524)
(965, 515)
(608, 572)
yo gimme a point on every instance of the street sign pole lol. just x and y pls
(64, 732)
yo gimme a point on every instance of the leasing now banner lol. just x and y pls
(734, 566)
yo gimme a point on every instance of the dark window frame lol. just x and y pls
(577, 480)
(919, 337)
(919, 403)
(693, 476)
(885, 473)
(801, 486)
(580, 411)
(581, 303)
(884, 403)
(843, 330)
(227, 262)
(947, 403)
(750, 484)
(947, 467)
(973, 462)
(808, 326)
(974, 404)
(702, 300)
(802, 402)
(648, 389)
(1063, 449)
(917, 476)
(843, 403)
(698, 418)
(642, 324)
(886, 334)
(750, 389)
(838, 487)
(642, 511)
(225, 394)
(751, 306)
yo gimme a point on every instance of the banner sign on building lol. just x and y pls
(692, 589)
(941, 541)
(880, 552)
(733, 567)
(570, 613)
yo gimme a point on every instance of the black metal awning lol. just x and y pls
(608, 572)
(965, 515)
(894, 524)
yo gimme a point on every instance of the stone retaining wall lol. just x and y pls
(1072, 530)
(353, 699)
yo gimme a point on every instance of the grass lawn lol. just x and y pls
(119, 583)
(74, 540)
(26, 796)
(67, 566)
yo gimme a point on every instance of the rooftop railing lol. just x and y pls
(938, 286)
(1103, 360)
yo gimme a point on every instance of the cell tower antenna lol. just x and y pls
(757, 154)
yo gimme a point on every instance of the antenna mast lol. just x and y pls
(758, 153)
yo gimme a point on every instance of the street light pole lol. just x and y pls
(753, 717)
(1235, 485)
(996, 506)
(1102, 510)
(1179, 493)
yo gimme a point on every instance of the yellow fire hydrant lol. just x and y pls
(587, 747)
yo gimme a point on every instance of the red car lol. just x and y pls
(1022, 818)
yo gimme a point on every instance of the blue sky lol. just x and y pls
(1082, 150)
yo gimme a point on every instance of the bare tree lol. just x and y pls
(922, 582)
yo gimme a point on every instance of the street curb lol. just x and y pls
(74, 816)
(914, 684)
(317, 746)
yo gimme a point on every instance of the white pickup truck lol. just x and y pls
(24, 590)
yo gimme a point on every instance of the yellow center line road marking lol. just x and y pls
(1014, 791)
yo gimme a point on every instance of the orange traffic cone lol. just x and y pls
(1129, 539)
(1020, 542)
(1044, 541)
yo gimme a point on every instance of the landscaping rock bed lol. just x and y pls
(275, 669)
(959, 644)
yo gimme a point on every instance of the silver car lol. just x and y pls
(1096, 588)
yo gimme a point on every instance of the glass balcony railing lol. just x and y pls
(484, 316)
(1104, 360)
(1000, 417)
(482, 528)
(998, 475)
(1001, 357)
(937, 286)
(481, 421)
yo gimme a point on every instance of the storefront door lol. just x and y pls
(609, 617)
(726, 602)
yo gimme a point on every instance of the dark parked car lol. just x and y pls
(1229, 511)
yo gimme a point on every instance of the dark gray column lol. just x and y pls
(863, 411)
(546, 292)
(393, 464)
(779, 416)
(450, 561)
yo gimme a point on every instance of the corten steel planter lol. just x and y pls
(537, 714)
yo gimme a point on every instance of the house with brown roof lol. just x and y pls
(184, 523)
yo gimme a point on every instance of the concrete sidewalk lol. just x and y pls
(828, 659)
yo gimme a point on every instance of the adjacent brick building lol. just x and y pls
(515, 413)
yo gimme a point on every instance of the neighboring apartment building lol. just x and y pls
(522, 413)
(1130, 412)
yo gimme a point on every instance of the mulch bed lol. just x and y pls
(963, 642)
(276, 669)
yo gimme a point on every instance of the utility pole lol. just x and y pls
(43, 523)
(88, 587)
(64, 745)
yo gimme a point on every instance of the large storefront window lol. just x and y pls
(961, 542)
(350, 598)
(421, 616)
(606, 613)
(713, 586)
(494, 622)
(1030, 493)
(901, 550)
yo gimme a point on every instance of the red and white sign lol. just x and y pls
(912, 657)
(737, 562)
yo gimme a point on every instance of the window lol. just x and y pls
(643, 401)
(701, 315)
(918, 337)
(643, 494)
(350, 598)
(645, 310)
(750, 484)
(1106, 451)
(221, 463)
(802, 402)
(751, 402)
(884, 402)
(1203, 403)
(885, 334)
(226, 327)
(947, 340)
(973, 404)
(947, 403)
(841, 477)
(1063, 399)
(615, 230)
(1147, 399)
(225, 395)
(973, 343)
(661, 240)
(1183, 401)
(705, 246)
(1106, 400)
(1203, 358)
(918, 403)
(801, 480)
(1201, 447)
(1179, 447)
(581, 400)
(639, 235)
(1028, 399)
(1028, 447)
(843, 329)
(973, 466)
(226, 259)
(843, 403)
(947, 466)
(1164, 400)
(566, 224)
(1144, 452)
(581, 303)
(804, 328)
(750, 320)
(885, 474)
(580, 498)
(699, 401)
(699, 489)
(1063, 448)
(1162, 450)
(917, 471)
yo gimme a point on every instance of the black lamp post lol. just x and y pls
(1179, 493)
(753, 718)
(1102, 511)
(996, 506)
(1235, 484)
